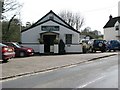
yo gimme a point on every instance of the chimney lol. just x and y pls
(119, 8)
(110, 17)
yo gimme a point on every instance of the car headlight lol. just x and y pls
(29, 50)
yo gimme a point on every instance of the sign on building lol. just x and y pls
(50, 28)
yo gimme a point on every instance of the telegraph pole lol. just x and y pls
(1, 10)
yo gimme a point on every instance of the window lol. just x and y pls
(117, 27)
(68, 38)
(51, 17)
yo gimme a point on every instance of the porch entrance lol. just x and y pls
(48, 41)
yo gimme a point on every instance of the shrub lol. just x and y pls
(61, 47)
(41, 41)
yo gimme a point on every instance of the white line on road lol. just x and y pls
(70, 66)
(84, 85)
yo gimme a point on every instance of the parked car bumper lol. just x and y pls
(30, 54)
(6, 55)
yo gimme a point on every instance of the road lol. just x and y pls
(102, 73)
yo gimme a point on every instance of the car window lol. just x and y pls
(114, 42)
(98, 41)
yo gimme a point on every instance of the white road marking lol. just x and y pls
(84, 85)
(70, 66)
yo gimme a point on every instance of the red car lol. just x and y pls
(20, 51)
(7, 52)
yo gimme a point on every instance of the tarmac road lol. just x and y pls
(101, 73)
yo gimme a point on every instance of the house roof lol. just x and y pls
(112, 22)
(39, 22)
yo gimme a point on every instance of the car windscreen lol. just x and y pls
(2, 44)
(17, 45)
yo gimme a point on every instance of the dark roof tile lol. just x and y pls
(112, 22)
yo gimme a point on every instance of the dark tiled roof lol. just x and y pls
(112, 22)
(37, 23)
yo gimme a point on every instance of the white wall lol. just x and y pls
(31, 35)
(110, 34)
(73, 48)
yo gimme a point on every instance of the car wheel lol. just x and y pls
(22, 54)
(103, 51)
(109, 50)
(91, 50)
(84, 50)
(114, 50)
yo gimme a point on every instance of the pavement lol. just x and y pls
(17, 67)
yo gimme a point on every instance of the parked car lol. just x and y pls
(20, 51)
(113, 45)
(97, 45)
(7, 52)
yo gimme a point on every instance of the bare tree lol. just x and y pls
(79, 21)
(68, 17)
(74, 20)
(10, 5)
(10, 8)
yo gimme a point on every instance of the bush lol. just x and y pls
(41, 41)
(61, 47)
(56, 41)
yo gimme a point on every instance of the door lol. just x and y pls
(48, 41)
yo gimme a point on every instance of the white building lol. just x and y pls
(112, 27)
(48, 29)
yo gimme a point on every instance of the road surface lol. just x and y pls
(102, 73)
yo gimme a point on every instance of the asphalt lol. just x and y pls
(30, 65)
(102, 73)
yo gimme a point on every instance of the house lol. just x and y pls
(112, 29)
(44, 35)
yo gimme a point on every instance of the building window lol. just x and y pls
(51, 17)
(117, 27)
(68, 38)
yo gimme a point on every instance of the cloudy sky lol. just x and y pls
(95, 12)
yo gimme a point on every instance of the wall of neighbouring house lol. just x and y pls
(110, 33)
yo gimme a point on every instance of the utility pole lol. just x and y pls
(20, 25)
(1, 10)
(119, 8)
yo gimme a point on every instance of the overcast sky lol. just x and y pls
(95, 12)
